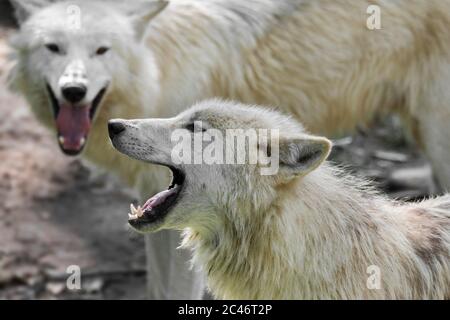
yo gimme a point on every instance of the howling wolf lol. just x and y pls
(308, 231)
(80, 63)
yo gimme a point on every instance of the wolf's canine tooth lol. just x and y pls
(133, 209)
(140, 212)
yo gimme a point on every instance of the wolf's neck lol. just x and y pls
(314, 222)
(199, 46)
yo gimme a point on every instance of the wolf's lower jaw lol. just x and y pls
(157, 207)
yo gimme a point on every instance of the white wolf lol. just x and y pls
(308, 231)
(80, 63)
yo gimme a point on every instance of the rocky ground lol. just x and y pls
(54, 212)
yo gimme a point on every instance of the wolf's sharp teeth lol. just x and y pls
(82, 141)
(135, 213)
(61, 139)
(133, 209)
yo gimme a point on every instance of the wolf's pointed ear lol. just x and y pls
(299, 155)
(142, 14)
(23, 9)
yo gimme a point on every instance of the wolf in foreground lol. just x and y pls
(307, 232)
(80, 63)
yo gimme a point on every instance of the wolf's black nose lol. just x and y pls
(74, 94)
(115, 128)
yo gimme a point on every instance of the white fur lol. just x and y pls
(312, 58)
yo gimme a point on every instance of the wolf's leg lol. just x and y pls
(435, 137)
(169, 275)
(433, 128)
(168, 272)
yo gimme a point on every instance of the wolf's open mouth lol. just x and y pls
(158, 206)
(73, 122)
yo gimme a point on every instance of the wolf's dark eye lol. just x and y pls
(192, 128)
(102, 50)
(53, 48)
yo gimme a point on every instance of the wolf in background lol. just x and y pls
(315, 59)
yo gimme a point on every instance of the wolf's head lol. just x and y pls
(217, 152)
(72, 54)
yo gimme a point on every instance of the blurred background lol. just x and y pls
(55, 211)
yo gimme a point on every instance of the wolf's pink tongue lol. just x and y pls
(73, 124)
(158, 199)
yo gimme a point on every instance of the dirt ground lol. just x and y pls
(55, 212)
